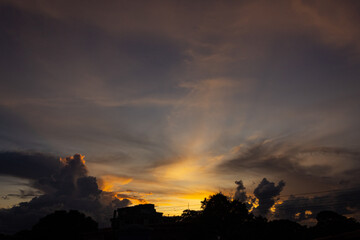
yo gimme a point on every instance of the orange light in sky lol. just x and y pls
(273, 208)
(111, 183)
(67, 159)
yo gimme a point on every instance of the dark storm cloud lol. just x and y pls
(240, 193)
(28, 165)
(64, 185)
(284, 157)
(260, 156)
(301, 207)
(267, 192)
(343, 201)
(334, 150)
(23, 194)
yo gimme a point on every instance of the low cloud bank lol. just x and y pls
(64, 184)
(265, 193)
(266, 201)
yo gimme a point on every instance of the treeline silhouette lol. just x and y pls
(224, 218)
(220, 218)
(60, 225)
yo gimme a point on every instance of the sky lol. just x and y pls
(167, 102)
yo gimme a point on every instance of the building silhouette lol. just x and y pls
(136, 222)
(143, 214)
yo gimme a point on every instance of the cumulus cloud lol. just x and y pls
(66, 185)
(240, 193)
(23, 194)
(29, 165)
(302, 208)
(267, 192)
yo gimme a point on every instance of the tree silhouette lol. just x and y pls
(190, 215)
(285, 229)
(224, 216)
(223, 208)
(220, 218)
(63, 225)
(332, 223)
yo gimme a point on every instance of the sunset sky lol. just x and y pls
(170, 101)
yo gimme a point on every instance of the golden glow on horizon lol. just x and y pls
(190, 170)
(196, 195)
(172, 203)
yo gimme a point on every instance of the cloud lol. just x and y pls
(66, 185)
(266, 192)
(265, 196)
(289, 158)
(336, 23)
(301, 208)
(240, 193)
(84, 75)
(23, 194)
(28, 165)
(305, 166)
(113, 182)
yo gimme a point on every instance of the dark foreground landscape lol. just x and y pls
(220, 218)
